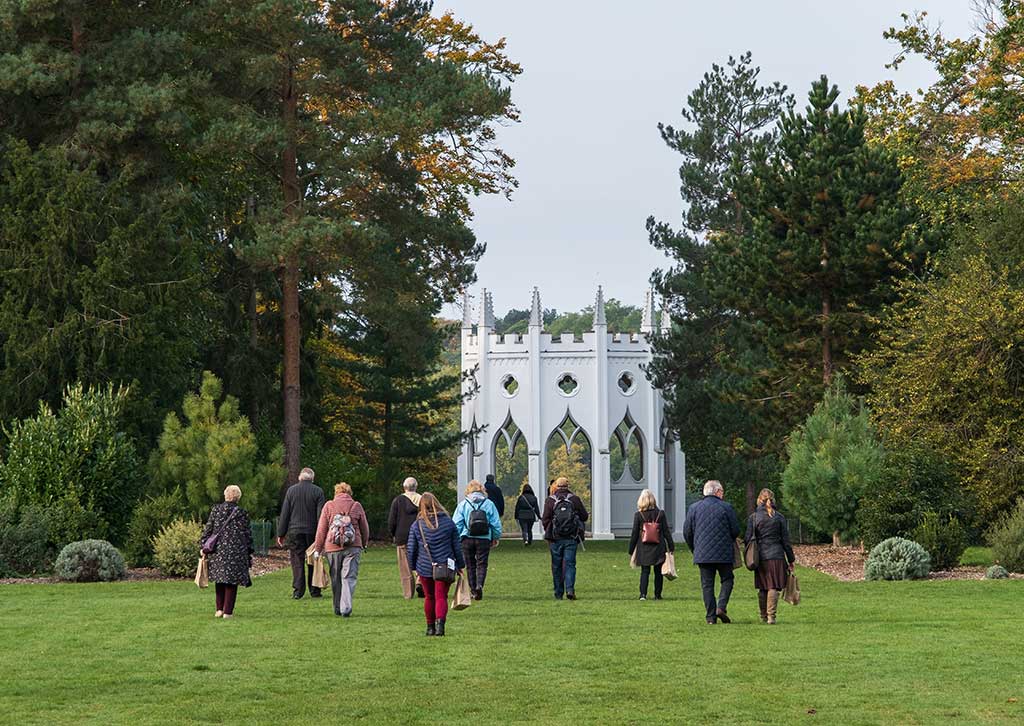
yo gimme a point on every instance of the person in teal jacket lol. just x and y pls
(477, 541)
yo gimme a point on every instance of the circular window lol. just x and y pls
(627, 383)
(568, 384)
(509, 385)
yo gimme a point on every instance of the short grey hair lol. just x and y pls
(410, 484)
(232, 493)
(306, 474)
(712, 487)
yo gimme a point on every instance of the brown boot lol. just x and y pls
(762, 601)
(773, 605)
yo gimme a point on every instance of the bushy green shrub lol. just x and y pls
(92, 560)
(149, 517)
(213, 448)
(996, 572)
(24, 540)
(77, 463)
(914, 481)
(1007, 538)
(943, 538)
(176, 548)
(897, 559)
(834, 457)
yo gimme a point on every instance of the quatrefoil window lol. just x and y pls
(567, 384)
(509, 385)
(627, 383)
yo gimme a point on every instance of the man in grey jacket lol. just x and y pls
(297, 525)
(710, 530)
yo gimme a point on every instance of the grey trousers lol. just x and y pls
(344, 571)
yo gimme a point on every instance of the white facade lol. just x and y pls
(603, 383)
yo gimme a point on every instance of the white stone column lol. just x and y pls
(601, 516)
(535, 436)
(484, 464)
(679, 482)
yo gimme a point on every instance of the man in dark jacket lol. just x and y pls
(404, 509)
(563, 518)
(710, 530)
(494, 494)
(297, 524)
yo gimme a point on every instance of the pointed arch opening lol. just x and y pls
(570, 454)
(510, 455)
(626, 450)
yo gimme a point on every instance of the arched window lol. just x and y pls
(626, 450)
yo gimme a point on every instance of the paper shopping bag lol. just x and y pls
(668, 567)
(202, 574)
(792, 592)
(632, 560)
(309, 554)
(320, 577)
(463, 597)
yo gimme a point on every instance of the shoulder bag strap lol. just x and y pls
(423, 539)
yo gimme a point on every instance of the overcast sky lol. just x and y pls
(597, 78)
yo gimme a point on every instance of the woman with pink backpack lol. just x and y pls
(341, 535)
(650, 541)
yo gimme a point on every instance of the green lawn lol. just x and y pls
(854, 653)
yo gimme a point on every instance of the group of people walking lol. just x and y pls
(434, 546)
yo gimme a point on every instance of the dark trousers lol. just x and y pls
(302, 573)
(707, 586)
(526, 525)
(563, 566)
(645, 574)
(477, 552)
(226, 595)
(435, 598)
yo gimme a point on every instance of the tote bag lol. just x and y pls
(668, 567)
(792, 591)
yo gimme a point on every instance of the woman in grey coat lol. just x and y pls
(650, 550)
(775, 553)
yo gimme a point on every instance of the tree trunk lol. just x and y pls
(826, 318)
(751, 498)
(836, 542)
(254, 342)
(290, 283)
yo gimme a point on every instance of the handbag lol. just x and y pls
(438, 570)
(737, 554)
(209, 545)
(651, 531)
(792, 592)
(632, 560)
(202, 574)
(463, 597)
(668, 567)
(751, 551)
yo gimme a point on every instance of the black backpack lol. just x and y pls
(565, 524)
(478, 524)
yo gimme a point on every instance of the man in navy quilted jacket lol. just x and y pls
(710, 530)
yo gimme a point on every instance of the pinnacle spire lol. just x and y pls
(485, 312)
(647, 322)
(599, 317)
(666, 318)
(536, 314)
(467, 312)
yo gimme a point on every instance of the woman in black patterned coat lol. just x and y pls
(229, 564)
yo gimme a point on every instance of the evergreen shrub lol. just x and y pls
(996, 572)
(176, 548)
(91, 560)
(1007, 539)
(944, 539)
(897, 559)
(24, 540)
(149, 517)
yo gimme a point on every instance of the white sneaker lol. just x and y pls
(642, 597)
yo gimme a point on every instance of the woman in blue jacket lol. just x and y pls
(433, 539)
(479, 526)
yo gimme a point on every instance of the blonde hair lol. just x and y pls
(342, 488)
(232, 493)
(474, 486)
(767, 497)
(646, 501)
(429, 509)
(561, 483)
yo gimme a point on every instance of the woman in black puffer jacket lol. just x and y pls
(775, 553)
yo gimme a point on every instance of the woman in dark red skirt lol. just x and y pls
(775, 553)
